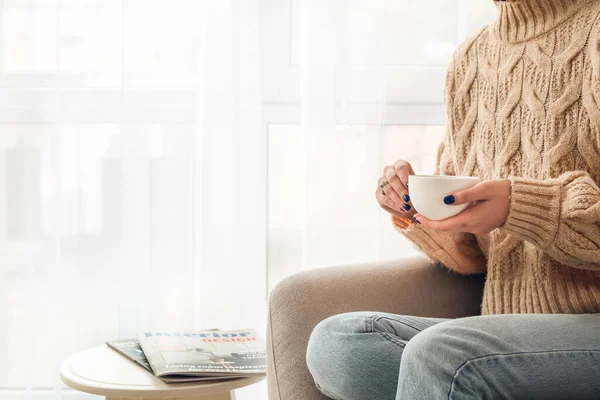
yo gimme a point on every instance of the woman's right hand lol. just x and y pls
(396, 199)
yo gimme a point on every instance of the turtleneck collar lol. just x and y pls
(522, 20)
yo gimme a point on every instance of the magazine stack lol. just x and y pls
(196, 355)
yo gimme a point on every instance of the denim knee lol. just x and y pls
(431, 359)
(331, 363)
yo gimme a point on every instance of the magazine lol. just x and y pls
(131, 349)
(203, 355)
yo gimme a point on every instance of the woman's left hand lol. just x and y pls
(488, 213)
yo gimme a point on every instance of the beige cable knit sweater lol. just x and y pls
(523, 102)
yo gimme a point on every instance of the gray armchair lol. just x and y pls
(412, 286)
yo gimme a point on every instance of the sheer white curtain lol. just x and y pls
(166, 163)
(132, 177)
(367, 90)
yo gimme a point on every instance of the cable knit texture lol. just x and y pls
(523, 102)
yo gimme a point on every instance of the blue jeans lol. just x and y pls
(379, 356)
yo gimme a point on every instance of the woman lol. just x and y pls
(523, 105)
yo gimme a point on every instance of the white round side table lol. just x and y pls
(103, 371)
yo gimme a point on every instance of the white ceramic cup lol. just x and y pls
(427, 194)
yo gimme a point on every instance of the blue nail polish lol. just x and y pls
(406, 198)
(407, 207)
(416, 220)
(449, 199)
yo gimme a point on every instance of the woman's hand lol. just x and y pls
(394, 198)
(492, 202)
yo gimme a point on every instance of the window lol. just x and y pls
(348, 87)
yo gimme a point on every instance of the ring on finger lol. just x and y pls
(382, 186)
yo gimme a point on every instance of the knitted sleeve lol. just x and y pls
(457, 251)
(559, 216)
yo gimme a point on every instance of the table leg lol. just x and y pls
(216, 396)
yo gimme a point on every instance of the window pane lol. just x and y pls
(29, 42)
(415, 32)
(313, 222)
